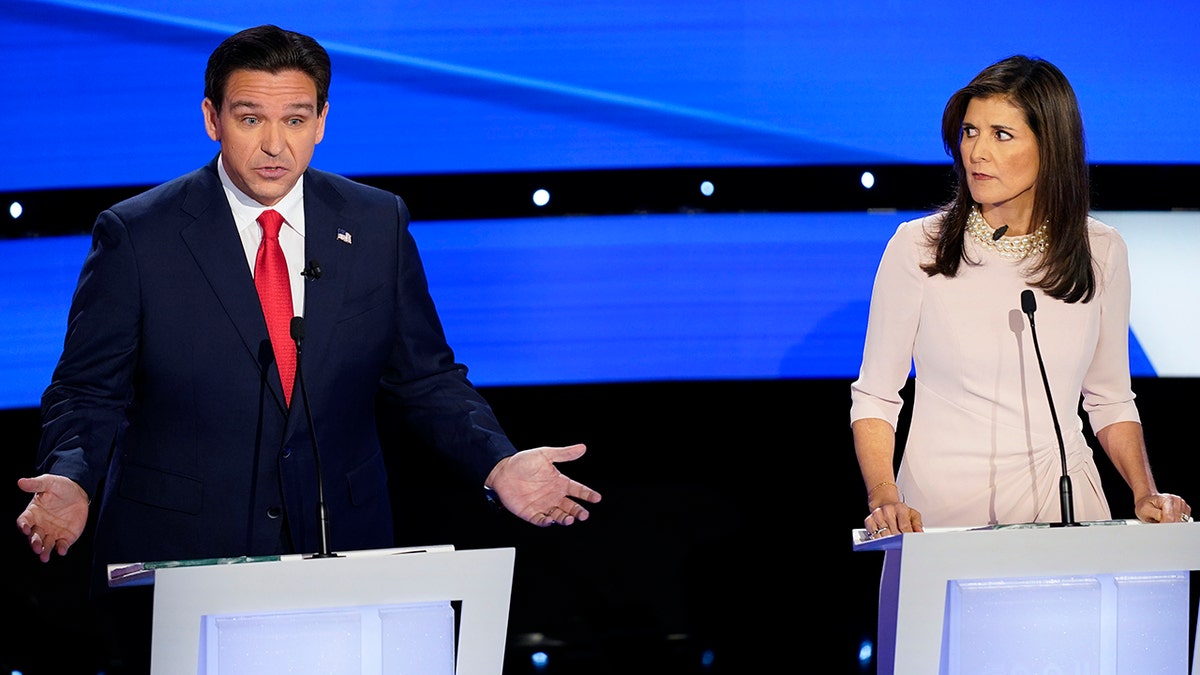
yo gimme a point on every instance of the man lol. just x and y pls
(177, 390)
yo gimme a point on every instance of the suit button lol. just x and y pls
(273, 512)
(287, 452)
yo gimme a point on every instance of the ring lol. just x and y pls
(1185, 517)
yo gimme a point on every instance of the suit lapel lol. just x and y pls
(323, 209)
(213, 241)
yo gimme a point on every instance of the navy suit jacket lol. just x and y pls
(167, 396)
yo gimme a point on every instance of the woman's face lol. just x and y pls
(1000, 154)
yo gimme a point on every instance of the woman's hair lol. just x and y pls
(1062, 190)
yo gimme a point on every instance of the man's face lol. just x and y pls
(267, 128)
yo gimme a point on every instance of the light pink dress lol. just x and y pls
(981, 448)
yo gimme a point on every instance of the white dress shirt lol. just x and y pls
(291, 235)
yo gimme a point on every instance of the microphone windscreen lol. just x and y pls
(297, 328)
(1028, 302)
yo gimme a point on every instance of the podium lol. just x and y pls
(1108, 597)
(427, 610)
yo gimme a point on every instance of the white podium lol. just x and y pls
(428, 610)
(1101, 598)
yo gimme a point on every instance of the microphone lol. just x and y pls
(995, 237)
(1066, 503)
(297, 330)
(312, 272)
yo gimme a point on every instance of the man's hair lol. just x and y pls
(269, 49)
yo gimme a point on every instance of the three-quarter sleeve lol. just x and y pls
(1107, 394)
(891, 326)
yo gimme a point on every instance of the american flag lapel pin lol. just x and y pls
(344, 236)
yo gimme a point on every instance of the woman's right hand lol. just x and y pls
(892, 518)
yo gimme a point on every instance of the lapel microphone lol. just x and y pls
(995, 236)
(312, 272)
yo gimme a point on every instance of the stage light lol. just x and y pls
(706, 188)
(540, 660)
(541, 197)
(867, 180)
(15, 210)
(866, 652)
(706, 659)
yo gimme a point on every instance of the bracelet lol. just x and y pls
(879, 485)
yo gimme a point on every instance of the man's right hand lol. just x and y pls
(56, 515)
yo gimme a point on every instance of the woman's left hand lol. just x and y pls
(1158, 507)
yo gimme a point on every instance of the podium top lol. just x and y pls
(142, 574)
(861, 542)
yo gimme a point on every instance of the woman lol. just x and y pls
(982, 448)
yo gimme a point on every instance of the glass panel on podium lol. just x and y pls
(1081, 624)
(386, 639)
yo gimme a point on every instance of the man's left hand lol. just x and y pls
(530, 486)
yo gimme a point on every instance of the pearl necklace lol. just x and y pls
(1008, 247)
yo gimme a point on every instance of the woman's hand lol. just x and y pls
(892, 518)
(1158, 507)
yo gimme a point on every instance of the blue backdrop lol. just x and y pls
(108, 94)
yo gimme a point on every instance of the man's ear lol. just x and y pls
(211, 119)
(321, 122)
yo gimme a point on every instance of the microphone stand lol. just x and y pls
(297, 330)
(1066, 503)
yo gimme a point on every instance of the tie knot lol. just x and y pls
(271, 221)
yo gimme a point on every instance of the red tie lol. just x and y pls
(275, 294)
